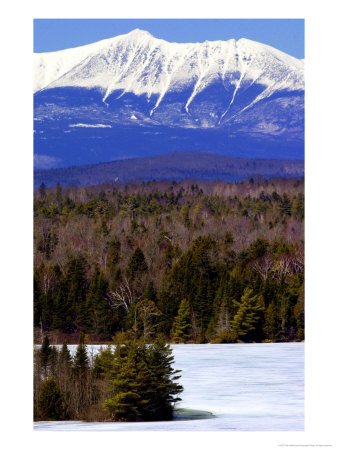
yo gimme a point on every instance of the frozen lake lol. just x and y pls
(248, 387)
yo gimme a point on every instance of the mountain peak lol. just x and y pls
(139, 34)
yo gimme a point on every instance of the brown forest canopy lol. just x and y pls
(193, 259)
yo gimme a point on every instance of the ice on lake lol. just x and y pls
(248, 387)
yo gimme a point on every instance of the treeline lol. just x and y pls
(195, 262)
(135, 382)
(172, 166)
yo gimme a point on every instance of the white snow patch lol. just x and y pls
(141, 64)
(88, 125)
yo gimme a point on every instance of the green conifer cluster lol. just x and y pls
(135, 382)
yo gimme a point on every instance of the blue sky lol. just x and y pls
(57, 34)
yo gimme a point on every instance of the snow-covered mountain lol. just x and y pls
(137, 85)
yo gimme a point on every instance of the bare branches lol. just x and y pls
(264, 266)
(147, 310)
(122, 296)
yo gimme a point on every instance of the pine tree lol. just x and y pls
(248, 315)
(181, 330)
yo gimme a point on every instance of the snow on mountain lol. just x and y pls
(240, 98)
(141, 64)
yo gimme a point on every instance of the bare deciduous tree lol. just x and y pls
(147, 310)
(264, 266)
(122, 296)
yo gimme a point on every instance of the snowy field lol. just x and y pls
(248, 387)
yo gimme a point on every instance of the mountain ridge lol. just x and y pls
(171, 166)
(240, 89)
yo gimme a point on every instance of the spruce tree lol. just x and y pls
(81, 360)
(125, 403)
(181, 330)
(65, 356)
(143, 384)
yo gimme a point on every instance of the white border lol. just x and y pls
(321, 220)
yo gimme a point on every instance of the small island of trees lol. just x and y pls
(135, 382)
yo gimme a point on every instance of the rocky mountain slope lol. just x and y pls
(135, 95)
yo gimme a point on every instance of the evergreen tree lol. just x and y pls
(113, 257)
(181, 330)
(103, 362)
(95, 313)
(150, 292)
(248, 315)
(270, 323)
(65, 356)
(285, 205)
(50, 401)
(71, 297)
(143, 384)
(45, 355)
(185, 216)
(137, 263)
(81, 360)
(258, 248)
(164, 387)
(298, 311)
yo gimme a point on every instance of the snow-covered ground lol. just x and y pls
(248, 387)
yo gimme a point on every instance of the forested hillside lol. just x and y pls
(173, 166)
(206, 262)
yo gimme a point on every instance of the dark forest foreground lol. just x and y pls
(194, 262)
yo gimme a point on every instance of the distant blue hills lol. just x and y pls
(176, 166)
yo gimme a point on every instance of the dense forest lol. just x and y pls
(191, 261)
